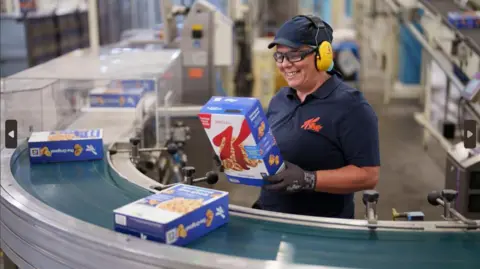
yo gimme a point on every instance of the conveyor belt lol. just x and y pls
(91, 190)
(442, 7)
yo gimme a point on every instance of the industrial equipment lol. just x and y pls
(453, 50)
(472, 90)
(463, 175)
(167, 162)
(206, 42)
(446, 198)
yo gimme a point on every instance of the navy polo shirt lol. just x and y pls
(334, 127)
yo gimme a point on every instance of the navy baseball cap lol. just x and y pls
(300, 31)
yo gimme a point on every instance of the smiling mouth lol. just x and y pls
(291, 74)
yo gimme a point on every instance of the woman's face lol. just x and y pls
(298, 74)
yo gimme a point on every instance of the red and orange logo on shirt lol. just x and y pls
(312, 125)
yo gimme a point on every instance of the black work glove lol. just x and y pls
(291, 179)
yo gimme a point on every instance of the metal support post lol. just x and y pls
(93, 26)
(427, 89)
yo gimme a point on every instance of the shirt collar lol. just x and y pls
(323, 91)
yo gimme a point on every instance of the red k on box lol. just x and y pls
(240, 135)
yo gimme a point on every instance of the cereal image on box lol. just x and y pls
(261, 130)
(177, 215)
(45, 152)
(209, 217)
(77, 150)
(239, 133)
(181, 205)
(182, 233)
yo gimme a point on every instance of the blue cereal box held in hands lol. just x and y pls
(116, 97)
(66, 146)
(175, 216)
(241, 137)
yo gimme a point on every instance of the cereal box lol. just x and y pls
(175, 216)
(240, 135)
(65, 146)
(464, 20)
(147, 85)
(115, 97)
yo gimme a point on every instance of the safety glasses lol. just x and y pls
(292, 56)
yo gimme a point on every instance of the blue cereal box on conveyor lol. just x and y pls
(464, 20)
(115, 97)
(241, 137)
(175, 216)
(66, 146)
(147, 85)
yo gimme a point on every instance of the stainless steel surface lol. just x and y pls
(463, 219)
(198, 55)
(116, 64)
(180, 111)
(446, 210)
(461, 167)
(449, 211)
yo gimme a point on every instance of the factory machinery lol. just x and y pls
(424, 26)
(61, 215)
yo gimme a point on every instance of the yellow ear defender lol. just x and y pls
(323, 51)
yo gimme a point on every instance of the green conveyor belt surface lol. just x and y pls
(90, 191)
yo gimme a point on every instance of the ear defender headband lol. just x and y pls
(323, 51)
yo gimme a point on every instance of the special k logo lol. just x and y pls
(312, 125)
